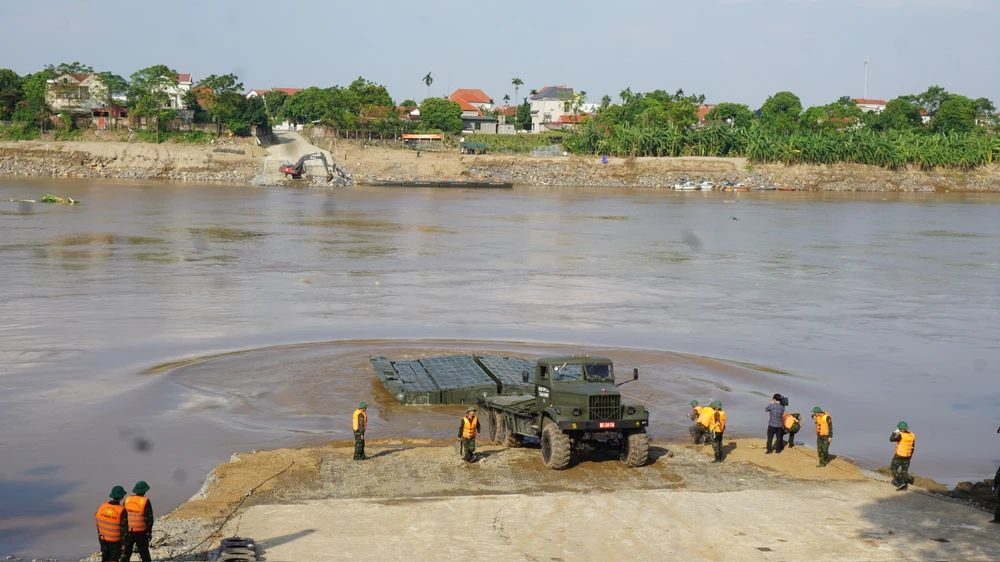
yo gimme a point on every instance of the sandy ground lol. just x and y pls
(293, 146)
(416, 497)
(137, 155)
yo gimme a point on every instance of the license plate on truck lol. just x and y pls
(606, 425)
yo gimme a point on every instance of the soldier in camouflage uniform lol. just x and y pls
(716, 429)
(824, 434)
(360, 424)
(900, 465)
(467, 432)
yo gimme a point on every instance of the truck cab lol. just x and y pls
(578, 393)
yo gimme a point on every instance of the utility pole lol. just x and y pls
(865, 95)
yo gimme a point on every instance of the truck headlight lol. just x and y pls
(577, 412)
(630, 410)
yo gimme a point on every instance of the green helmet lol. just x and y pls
(796, 415)
(117, 493)
(362, 405)
(716, 404)
(903, 426)
(140, 487)
(694, 403)
(817, 410)
(471, 409)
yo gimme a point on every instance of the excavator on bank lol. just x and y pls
(296, 170)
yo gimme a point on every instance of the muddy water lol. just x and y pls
(877, 308)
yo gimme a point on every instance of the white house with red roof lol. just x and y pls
(177, 91)
(76, 93)
(473, 102)
(870, 105)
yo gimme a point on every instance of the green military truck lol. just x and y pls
(571, 404)
(575, 406)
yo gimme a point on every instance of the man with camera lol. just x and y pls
(776, 423)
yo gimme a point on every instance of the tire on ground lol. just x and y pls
(555, 447)
(492, 428)
(635, 450)
(506, 436)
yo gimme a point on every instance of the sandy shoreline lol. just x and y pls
(413, 495)
(239, 161)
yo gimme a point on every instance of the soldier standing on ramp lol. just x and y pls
(140, 523)
(360, 423)
(824, 434)
(467, 433)
(900, 466)
(112, 524)
(716, 428)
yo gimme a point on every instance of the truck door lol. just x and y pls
(543, 387)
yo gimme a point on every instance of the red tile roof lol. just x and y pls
(183, 77)
(571, 119)
(508, 110)
(289, 91)
(258, 92)
(470, 95)
(466, 106)
(703, 110)
(864, 101)
(81, 77)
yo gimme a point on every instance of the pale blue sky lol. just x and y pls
(730, 50)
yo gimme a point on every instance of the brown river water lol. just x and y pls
(879, 308)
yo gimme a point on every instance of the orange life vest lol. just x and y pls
(823, 424)
(109, 519)
(360, 421)
(136, 507)
(469, 427)
(718, 422)
(705, 416)
(904, 447)
(789, 420)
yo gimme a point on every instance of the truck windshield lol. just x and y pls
(599, 372)
(567, 373)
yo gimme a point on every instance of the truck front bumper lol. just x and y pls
(616, 425)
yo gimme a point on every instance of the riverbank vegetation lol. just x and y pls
(935, 129)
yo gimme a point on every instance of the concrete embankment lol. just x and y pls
(230, 162)
(376, 162)
(418, 497)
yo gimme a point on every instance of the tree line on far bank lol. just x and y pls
(960, 132)
(146, 94)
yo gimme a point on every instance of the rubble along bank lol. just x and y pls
(232, 163)
(375, 162)
(314, 484)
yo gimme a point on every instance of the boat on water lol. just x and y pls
(706, 186)
(787, 189)
(686, 186)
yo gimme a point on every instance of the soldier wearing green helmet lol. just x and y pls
(467, 432)
(900, 466)
(824, 434)
(716, 427)
(360, 424)
(699, 415)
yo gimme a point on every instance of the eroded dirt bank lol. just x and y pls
(416, 496)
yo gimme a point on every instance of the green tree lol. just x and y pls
(190, 101)
(781, 112)
(10, 92)
(517, 83)
(34, 108)
(736, 114)
(307, 104)
(249, 112)
(441, 114)
(370, 94)
(428, 80)
(506, 100)
(899, 115)
(273, 102)
(605, 101)
(408, 103)
(222, 96)
(115, 86)
(985, 110)
(683, 113)
(149, 93)
(524, 116)
(956, 114)
(68, 68)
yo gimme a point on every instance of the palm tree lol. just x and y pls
(506, 100)
(605, 101)
(626, 95)
(517, 82)
(428, 80)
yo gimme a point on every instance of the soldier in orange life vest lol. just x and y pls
(700, 416)
(900, 466)
(140, 523)
(792, 424)
(360, 424)
(824, 434)
(467, 433)
(716, 427)
(112, 524)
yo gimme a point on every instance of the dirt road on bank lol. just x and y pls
(416, 497)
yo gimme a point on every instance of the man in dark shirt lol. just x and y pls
(775, 424)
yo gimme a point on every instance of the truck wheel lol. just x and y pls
(555, 447)
(635, 450)
(492, 429)
(505, 435)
